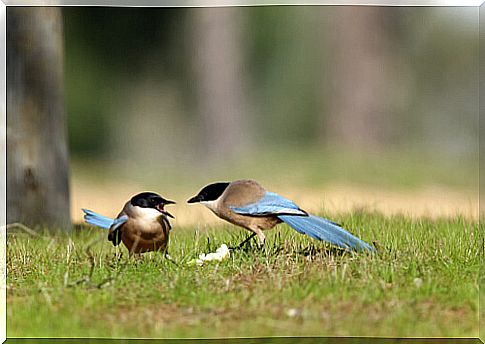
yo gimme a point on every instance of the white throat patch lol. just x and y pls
(145, 213)
(212, 205)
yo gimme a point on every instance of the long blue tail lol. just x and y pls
(322, 229)
(97, 220)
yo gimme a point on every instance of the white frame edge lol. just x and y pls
(134, 3)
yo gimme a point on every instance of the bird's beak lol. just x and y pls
(195, 199)
(168, 214)
(160, 208)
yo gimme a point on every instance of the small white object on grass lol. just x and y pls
(292, 312)
(418, 282)
(220, 254)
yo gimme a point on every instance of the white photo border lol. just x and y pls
(161, 3)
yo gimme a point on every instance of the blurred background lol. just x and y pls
(339, 108)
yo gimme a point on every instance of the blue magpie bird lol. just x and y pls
(247, 204)
(142, 225)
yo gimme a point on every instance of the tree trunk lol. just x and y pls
(37, 159)
(359, 91)
(219, 79)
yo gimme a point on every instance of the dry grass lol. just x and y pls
(431, 201)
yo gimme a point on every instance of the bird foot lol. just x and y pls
(241, 245)
(170, 259)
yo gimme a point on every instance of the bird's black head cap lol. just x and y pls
(151, 200)
(210, 193)
(146, 200)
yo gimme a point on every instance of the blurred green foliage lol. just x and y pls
(131, 83)
(106, 46)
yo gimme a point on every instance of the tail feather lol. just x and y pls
(322, 229)
(97, 220)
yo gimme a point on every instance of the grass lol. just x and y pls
(423, 282)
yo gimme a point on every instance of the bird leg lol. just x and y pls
(261, 237)
(256, 231)
(133, 248)
(244, 242)
(169, 258)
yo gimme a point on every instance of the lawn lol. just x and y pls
(423, 282)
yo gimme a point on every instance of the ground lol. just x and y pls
(421, 212)
(422, 283)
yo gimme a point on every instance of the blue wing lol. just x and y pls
(270, 204)
(304, 223)
(322, 229)
(97, 220)
(118, 222)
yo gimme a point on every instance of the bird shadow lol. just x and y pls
(314, 250)
(284, 248)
